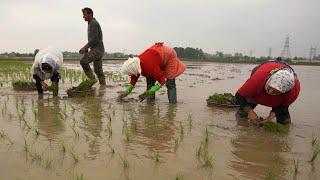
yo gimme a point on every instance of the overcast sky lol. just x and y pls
(130, 26)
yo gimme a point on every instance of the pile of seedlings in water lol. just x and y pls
(226, 99)
(276, 128)
(86, 85)
(84, 89)
(23, 85)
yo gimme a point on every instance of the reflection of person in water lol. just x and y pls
(273, 84)
(156, 133)
(92, 114)
(254, 152)
(49, 118)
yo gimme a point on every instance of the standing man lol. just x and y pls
(95, 44)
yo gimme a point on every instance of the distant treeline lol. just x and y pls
(187, 53)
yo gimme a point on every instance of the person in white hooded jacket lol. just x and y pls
(46, 65)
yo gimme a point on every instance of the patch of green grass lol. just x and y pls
(276, 128)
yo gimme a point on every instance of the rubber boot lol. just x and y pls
(102, 82)
(172, 91)
(150, 83)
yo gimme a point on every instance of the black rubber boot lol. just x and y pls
(172, 91)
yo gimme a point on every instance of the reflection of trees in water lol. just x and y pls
(255, 151)
(149, 125)
(49, 118)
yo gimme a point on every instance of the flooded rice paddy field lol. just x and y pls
(101, 138)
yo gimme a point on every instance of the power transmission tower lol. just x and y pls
(270, 52)
(286, 49)
(312, 53)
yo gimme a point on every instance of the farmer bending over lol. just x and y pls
(273, 84)
(158, 63)
(46, 65)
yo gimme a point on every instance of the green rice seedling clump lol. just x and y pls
(85, 85)
(276, 128)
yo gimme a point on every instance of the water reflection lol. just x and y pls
(49, 118)
(255, 152)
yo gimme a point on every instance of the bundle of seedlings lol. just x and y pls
(23, 86)
(276, 128)
(225, 99)
(83, 89)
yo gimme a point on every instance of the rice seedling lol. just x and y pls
(287, 146)
(176, 144)
(35, 156)
(181, 129)
(206, 132)
(179, 176)
(158, 111)
(113, 110)
(233, 141)
(48, 163)
(208, 160)
(73, 156)
(296, 163)
(278, 159)
(127, 134)
(79, 177)
(189, 119)
(5, 137)
(314, 141)
(199, 150)
(109, 129)
(36, 131)
(63, 147)
(26, 146)
(157, 157)
(203, 154)
(111, 149)
(85, 121)
(314, 155)
(272, 174)
(124, 161)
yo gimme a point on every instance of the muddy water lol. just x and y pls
(143, 133)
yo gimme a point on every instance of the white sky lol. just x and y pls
(130, 26)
